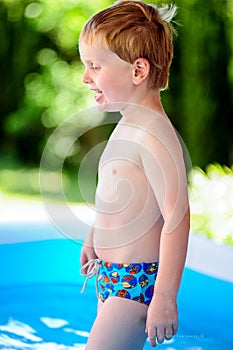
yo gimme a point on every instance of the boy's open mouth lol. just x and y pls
(98, 95)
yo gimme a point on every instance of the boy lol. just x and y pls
(137, 246)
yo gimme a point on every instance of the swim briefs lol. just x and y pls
(131, 281)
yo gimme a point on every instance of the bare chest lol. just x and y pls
(120, 169)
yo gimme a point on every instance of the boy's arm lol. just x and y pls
(163, 164)
(162, 319)
(87, 251)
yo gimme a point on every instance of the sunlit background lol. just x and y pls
(41, 88)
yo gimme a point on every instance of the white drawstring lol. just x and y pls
(92, 266)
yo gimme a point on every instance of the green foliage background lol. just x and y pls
(41, 86)
(41, 76)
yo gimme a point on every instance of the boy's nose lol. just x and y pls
(86, 78)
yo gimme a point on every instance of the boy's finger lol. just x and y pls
(175, 328)
(160, 335)
(152, 342)
(168, 332)
(152, 336)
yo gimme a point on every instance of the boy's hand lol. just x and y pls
(162, 319)
(87, 253)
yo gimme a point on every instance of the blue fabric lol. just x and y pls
(132, 281)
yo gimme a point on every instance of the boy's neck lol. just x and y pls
(149, 101)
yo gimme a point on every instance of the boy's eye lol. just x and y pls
(95, 68)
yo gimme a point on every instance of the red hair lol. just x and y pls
(133, 29)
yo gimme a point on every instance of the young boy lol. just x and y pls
(137, 246)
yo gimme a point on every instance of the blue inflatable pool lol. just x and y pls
(41, 306)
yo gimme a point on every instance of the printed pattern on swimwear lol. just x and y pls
(131, 281)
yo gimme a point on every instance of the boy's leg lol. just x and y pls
(120, 324)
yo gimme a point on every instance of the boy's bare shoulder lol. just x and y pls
(158, 127)
(158, 135)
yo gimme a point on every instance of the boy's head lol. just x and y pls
(132, 29)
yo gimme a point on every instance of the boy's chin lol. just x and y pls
(111, 107)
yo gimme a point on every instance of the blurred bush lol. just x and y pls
(211, 195)
(41, 73)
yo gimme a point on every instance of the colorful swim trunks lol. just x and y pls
(132, 281)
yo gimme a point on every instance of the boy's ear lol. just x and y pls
(141, 69)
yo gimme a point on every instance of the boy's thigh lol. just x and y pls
(120, 324)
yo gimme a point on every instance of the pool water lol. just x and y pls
(41, 306)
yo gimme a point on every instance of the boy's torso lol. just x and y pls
(128, 220)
